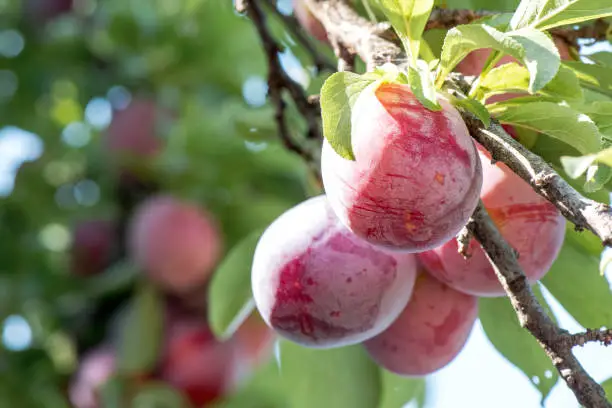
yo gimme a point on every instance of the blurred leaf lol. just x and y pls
(501, 5)
(340, 377)
(141, 333)
(338, 95)
(112, 393)
(158, 394)
(397, 391)
(116, 278)
(408, 18)
(602, 57)
(558, 121)
(547, 14)
(264, 390)
(501, 326)
(230, 296)
(596, 177)
(601, 113)
(574, 273)
(607, 386)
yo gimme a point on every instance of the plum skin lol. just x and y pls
(531, 225)
(318, 285)
(176, 242)
(92, 246)
(416, 176)
(196, 363)
(133, 130)
(431, 331)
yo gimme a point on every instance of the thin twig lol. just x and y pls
(464, 237)
(279, 80)
(602, 336)
(321, 61)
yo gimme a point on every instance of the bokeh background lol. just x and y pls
(68, 71)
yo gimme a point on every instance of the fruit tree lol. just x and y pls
(305, 203)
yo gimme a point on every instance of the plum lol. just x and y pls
(308, 21)
(133, 131)
(176, 242)
(416, 176)
(531, 225)
(255, 341)
(318, 285)
(92, 246)
(194, 362)
(431, 331)
(96, 367)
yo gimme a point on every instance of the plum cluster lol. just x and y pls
(374, 261)
(176, 244)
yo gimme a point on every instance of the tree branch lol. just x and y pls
(584, 213)
(279, 80)
(556, 342)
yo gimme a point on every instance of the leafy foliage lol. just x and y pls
(64, 77)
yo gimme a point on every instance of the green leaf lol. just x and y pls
(159, 394)
(141, 333)
(474, 107)
(408, 18)
(513, 77)
(557, 121)
(601, 113)
(501, 326)
(541, 56)
(597, 176)
(422, 86)
(607, 386)
(565, 85)
(463, 39)
(547, 14)
(397, 391)
(602, 58)
(341, 377)
(230, 296)
(119, 276)
(595, 77)
(576, 273)
(112, 393)
(263, 390)
(338, 95)
(577, 166)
